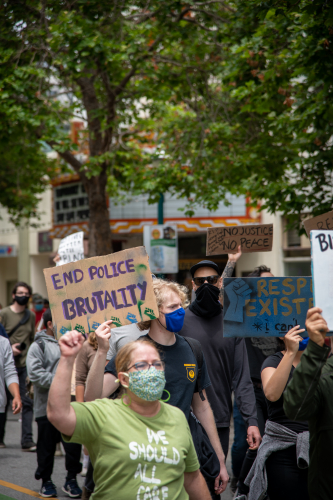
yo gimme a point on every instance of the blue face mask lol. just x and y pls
(175, 320)
(303, 343)
(39, 307)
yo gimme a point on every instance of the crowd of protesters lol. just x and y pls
(150, 413)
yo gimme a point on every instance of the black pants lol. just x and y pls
(48, 437)
(252, 454)
(27, 410)
(2, 426)
(89, 482)
(223, 433)
(285, 480)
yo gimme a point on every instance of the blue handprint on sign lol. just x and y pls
(132, 318)
(237, 291)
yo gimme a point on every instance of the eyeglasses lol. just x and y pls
(143, 365)
(212, 280)
(22, 294)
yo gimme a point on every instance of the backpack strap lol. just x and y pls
(22, 322)
(41, 344)
(197, 351)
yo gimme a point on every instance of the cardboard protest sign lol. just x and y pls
(265, 307)
(322, 272)
(252, 238)
(86, 293)
(71, 249)
(324, 221)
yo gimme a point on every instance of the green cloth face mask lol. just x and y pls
(147, 384)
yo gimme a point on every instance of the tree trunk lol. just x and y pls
(100, 242)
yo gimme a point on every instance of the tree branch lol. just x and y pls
(211, 14)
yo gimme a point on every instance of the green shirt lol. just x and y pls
(24, 333)
(135, 457)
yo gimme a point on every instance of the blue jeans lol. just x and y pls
(239, 446)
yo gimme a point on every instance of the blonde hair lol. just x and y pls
(161, 289)
(92, 340)
(124, 355)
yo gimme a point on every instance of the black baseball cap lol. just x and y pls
(205, 263)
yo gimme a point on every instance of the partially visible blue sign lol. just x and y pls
(265, 307)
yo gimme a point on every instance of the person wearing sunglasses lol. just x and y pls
(227, 360)
(140, 446)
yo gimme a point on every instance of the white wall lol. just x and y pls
(273, 259)
(8, 272)
(9, 235)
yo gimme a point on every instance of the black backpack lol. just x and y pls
(209, 463)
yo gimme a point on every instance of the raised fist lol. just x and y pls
(71, 343)
(237, 291)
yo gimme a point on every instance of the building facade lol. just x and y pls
(26, 251)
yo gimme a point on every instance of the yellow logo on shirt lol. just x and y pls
(191, 371)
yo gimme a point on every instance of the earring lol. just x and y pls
(167, 399)
(122, 399)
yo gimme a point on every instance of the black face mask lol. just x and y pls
(21, 300)
(207, 303)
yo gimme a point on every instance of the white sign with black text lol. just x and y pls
(71, 249)
(322, 272)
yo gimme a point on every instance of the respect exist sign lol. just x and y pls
(251, 238)
(86, 293)
(265, 307)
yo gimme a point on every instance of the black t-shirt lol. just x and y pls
(258, 349)
(275, 408)
(228, 368)
(180, 373)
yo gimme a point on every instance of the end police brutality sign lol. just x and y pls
(265, 307)
(86, 293)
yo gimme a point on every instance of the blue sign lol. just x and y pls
(265, 307)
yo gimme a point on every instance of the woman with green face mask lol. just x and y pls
(139, 446)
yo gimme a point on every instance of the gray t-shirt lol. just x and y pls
(122, 336)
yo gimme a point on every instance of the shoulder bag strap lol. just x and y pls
(22, 322)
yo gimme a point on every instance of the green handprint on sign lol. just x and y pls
(150, 313)
(79, 328)
(116, 321)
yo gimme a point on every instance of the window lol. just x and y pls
(70, 203)
(293, 238)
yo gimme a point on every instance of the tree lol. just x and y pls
(107, 62)
(263, 125)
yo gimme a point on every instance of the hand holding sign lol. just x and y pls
(316, 326)
(238, 291)
(292, 339)
(103, 334)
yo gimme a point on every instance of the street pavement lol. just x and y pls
(17, 468)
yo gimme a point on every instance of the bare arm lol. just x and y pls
(59, 411)
(79, 393)
(274, 380)
(196, 486)
(230, 266)
(203, 412)
(94, 384)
